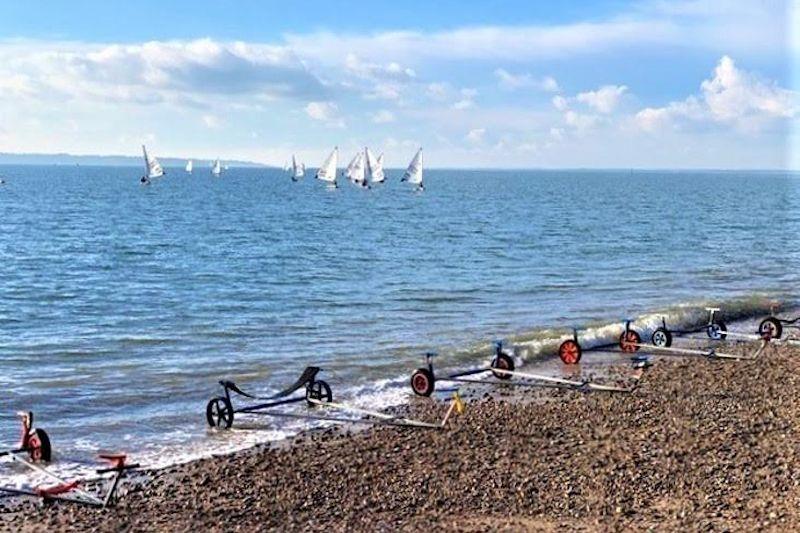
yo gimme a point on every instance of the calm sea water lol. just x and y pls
(122, 306)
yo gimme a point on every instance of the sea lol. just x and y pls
(122, 306)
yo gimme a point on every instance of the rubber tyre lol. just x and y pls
(570, 352)
(39, 449)
(219, 413)
(662, 337)
(318, 390)
(422, 382)
(716, 331)
(503, 362)
(629, 341)
(770, 326)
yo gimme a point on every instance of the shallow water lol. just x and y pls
(122, 306)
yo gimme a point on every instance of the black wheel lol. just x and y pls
(503, 362)
(318, 390)
(770, 328)
(219, 413)
(662, 337)
(716, 331)
(422, 382)
(39, 446)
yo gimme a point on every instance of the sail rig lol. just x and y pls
(298, 170)
(327, 172)
(216, 170)
(374, 167)
(152, 167)
(413, 173)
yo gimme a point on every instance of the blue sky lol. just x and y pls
(508, 84)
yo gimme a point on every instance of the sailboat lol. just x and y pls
(216, 170)
(374, 167)
(327, 172)
(413, 173)
(152, 168)
(298, 170)
(348, 170)
(358, 174)
(189, 167)
(355, 171)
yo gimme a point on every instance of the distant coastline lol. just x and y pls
(64, 159)
(110, 160)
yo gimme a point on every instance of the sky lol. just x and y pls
(506, 84)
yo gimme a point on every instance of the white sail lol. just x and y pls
(298, 169)
(189, 166)
(216, 170)
(357, 174)
(152, 167)
(374, 167)
(327, 172)
(413, 173)
(348, 171)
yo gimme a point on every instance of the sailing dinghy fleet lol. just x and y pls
(364, 170)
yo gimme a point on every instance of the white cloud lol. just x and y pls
(732, 96)
(383, 91)
(476, 136)
(327, 112)
(383, 117)
(511, 82)
(211, 121)
(579, 121)
(154, 72)
(468, 99)
(604, 99)
(438, 91)
(560, 103)
(749, 27)
(374, 71)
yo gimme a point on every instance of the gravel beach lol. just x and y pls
(700, 445)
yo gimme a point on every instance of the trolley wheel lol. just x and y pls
(219, 413)
(770, 328)
(716, 331)
(422, 382)
(318, 390)
(570, 352)
(39, 446)
(629, 341)
(662, 337)
(503, 362)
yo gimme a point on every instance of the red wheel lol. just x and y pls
(629, 341)
(39, 446)
(502, 362)
(422, 382)
(570, 352)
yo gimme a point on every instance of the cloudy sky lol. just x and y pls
(479, 84)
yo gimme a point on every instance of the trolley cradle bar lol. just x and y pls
(3, 453)
(377, 414)
(575, 384)
(81, 493)
(710, 353)
(251, 408)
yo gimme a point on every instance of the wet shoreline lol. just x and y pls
(699, 444)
